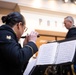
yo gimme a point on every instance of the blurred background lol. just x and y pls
(44, 16)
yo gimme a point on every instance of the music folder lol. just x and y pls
(54, 53)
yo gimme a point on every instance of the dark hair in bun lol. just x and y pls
(4, 19)
(13, 18)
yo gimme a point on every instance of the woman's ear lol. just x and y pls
(19, 25)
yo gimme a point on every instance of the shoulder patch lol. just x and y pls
(8, 37)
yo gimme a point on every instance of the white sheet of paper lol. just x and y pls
(66, 51)
(31, 64)
(47, 53)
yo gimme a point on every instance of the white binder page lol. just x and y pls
(66, 51)
(47, 53)
(31, 64)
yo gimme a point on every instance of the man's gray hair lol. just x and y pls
(70, 19)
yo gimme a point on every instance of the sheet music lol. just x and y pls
(47, 53)
(66, 51)
(31, 64)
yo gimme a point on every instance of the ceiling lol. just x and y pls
(7, 5)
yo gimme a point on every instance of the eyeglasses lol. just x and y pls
(25, 29)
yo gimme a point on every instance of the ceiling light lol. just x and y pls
(66, 1)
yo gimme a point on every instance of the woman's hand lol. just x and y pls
(31, 37)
